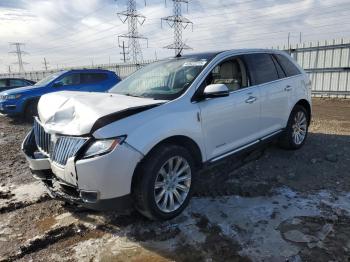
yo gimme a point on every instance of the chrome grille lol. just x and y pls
(42, 139)
(66, 147)
(60, 151)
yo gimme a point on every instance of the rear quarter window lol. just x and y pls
(289, 68)
(261, 68)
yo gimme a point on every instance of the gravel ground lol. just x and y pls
(271, 205)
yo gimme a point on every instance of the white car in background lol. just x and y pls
(143, 142)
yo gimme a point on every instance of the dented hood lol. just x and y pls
(81, 113)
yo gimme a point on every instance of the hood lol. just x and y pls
(81, 113)
(19, 90)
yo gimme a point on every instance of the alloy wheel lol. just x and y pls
(299, 128)
(172, 184)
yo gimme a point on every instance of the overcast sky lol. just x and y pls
(81, 32)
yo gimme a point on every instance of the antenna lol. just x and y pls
(133, 18)
(178, 22)
(18, 51)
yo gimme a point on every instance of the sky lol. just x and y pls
(84, 32)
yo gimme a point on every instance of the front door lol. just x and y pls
(233, 121)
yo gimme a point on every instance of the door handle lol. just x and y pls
(251, 100)
(288, 88)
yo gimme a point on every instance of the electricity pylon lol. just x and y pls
(178, 22)
(133, 18)
(18, 51)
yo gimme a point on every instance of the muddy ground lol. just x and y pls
(273, 205)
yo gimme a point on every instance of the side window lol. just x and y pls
(3, 83)
(17, 83)
(70, 80)
(93, 78)
(289, 68)
(261, 68)
(231, 72)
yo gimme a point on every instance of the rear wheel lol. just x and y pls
(164, 184)
(31, 111)
(297, 129)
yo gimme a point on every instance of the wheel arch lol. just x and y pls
(304, 103)
(180, 140)
(29, 101)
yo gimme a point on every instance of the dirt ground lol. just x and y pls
(272, 205)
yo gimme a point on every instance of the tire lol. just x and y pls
(154, 169)
(297, 128)
(31, 110)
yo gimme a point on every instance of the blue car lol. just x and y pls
(23, 101)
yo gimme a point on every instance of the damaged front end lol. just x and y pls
(40, 165)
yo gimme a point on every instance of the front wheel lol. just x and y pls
(297, 129)
(164, 183)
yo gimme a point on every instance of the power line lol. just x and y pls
(133, 18)
(178, 22)
(200, 26)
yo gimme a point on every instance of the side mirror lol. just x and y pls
(216, 90)
(57, 84)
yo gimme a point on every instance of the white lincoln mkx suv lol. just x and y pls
(143, 142)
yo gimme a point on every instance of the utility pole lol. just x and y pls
(45, 63)
(300, 37)
(178, 22)
(123, 53)
(9, 68)
(18, 51)
(133, 18)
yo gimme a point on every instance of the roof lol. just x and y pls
(210, 55)
(89, 70)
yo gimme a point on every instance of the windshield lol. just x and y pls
(48, 79)
(165, 80)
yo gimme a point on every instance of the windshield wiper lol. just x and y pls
(128, 94)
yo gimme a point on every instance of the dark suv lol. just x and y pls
(10, 83)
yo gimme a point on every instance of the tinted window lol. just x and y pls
(261, 68)
(2, 83)
(93, 78)
(17, 82)
(232, 73)
(279, 69)
(70, 80)
(289, 68)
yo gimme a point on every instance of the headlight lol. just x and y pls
(101, 147)
(10, 97)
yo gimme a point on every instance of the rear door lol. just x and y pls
(293, 80)
(93, 82)
(274, 98)
(233, 121)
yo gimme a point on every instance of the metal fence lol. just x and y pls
(122, 70)
(328, 65)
